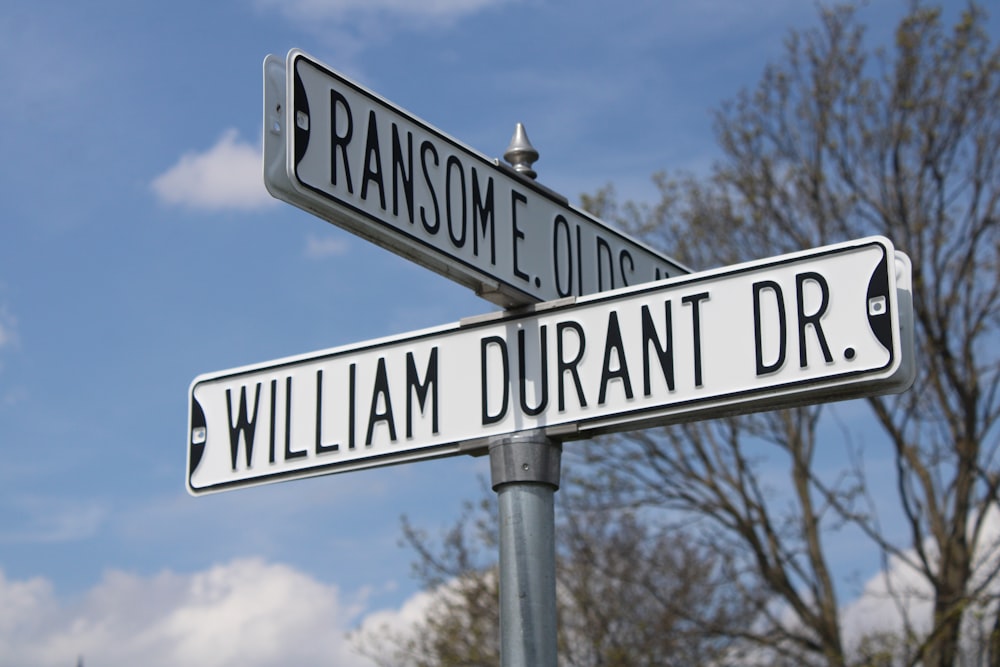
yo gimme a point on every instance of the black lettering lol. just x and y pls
(502, 345)
(561, 224)
(372, 150)
(457, 241)
(483, 214)
(569, 365)
(320, 447)
(401, 172)
(340, 141)
(605, 249)
(289, 453)
(431, 227)
(664, 353)
(414, 385)
(352, 396)
(758, 289)
(543, 382)
(613, 341)
(380, 390)
(271, 429)
(622, 256)
(800, 280)
(245, 423)
(516, 197)
(694, 300)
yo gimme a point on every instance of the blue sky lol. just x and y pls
(139, 249)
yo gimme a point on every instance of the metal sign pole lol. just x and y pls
(524, 471)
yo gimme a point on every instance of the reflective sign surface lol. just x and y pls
(819, 325)
(348, 156)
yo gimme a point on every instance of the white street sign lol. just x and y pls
(343, 153)
(825, 324)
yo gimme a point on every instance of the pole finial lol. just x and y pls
(521, 154)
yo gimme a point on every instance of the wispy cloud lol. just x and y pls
(8, 339)
(321, 248)
(33, 519)
(8, 325)
(340, 10)
(350, 28)
(225, 177)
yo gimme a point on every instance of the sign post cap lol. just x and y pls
(521, 154)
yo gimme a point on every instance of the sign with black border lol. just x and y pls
(341, 152)
(819, 325)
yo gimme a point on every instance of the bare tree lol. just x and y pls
(835, 143)
(635, 592)
(460, 625)
(627, 592)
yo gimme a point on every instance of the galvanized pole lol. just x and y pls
(524, 471)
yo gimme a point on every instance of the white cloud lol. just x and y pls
(900, 595)
(879, 608)
(900, 599)
(252, 613)
(395, 624)
(25, 604)
(226, 176)
(246, 613)
(386, 635)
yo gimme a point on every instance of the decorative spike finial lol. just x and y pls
(521, 154)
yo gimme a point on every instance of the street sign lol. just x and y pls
(824, 324)
(343, 153)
